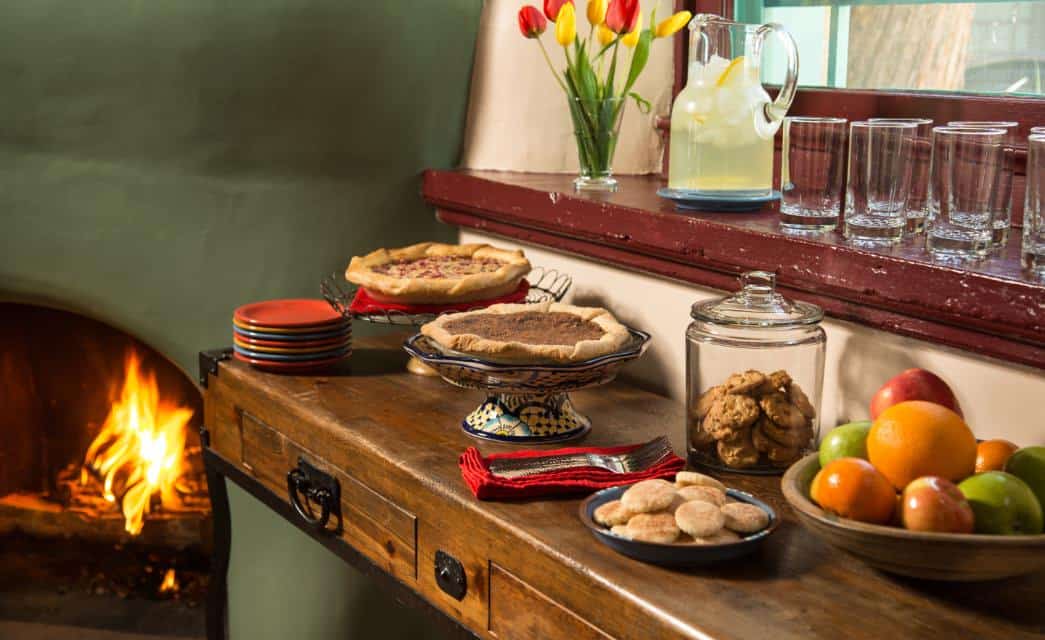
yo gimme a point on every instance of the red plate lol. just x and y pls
(269, 365)
(286, 344)
(289, 313)
(291, 349)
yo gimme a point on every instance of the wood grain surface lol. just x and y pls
(399, 436)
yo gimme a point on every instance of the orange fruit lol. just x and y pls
(854, 489)
(991, 455)
(917, 438)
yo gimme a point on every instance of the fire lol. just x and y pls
(138, 453)
(170, 582)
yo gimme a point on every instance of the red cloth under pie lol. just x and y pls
(579, 480)
(362, 303)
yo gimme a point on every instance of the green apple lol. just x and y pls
(846, 441)
(1002, 504)
(1028, 464)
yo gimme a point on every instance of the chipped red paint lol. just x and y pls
(988, 310)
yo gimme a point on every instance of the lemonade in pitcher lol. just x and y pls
(723, 122)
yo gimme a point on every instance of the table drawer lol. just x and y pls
(518, 611)
(370, 523)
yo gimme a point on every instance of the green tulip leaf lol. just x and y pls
(643, 104)
(639, 59)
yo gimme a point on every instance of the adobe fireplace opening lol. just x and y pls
(102, 486)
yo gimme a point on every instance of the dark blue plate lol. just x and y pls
(279, 357)
(689, 200)
(676, 554)
(292, 337)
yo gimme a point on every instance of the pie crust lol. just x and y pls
(444, 330)
(499, 273)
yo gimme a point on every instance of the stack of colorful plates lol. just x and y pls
(290, 335)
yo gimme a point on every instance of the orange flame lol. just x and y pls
(170, 582)
(139, 450)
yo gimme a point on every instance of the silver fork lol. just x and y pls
(642, 458)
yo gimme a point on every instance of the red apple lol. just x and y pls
(914, 384)
(932, 503)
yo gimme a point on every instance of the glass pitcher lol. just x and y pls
(723, 122)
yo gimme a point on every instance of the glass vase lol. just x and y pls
(596, 125)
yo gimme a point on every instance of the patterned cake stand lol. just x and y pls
(545, 284)
(525, 404)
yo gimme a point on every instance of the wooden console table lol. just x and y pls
(390, 441)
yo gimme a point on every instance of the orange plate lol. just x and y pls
(269, 365)
(292, 313)
(291, 348)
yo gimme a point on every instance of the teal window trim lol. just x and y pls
(849, 3)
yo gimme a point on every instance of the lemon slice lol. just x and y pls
(736, 62)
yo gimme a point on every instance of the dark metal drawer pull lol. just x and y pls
(449, 575)
(309, 489)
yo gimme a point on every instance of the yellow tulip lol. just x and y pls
(566, 25)
(632, 39)
(596, 12)
(606, 36)
(672, 25)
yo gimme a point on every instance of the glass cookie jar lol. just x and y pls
(755, 374)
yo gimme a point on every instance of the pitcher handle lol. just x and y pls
(772, 113)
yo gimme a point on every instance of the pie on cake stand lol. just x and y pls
(413, 285)
(527, 358)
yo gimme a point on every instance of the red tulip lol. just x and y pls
(531, 22)
(551, 8)
(621, 15)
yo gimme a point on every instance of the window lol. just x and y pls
(983, 47)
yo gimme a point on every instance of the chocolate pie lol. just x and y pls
(432, 273)
(530, 333)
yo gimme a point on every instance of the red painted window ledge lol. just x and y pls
(990, 309)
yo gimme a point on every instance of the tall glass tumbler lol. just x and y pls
(921, 154)
(1002, 202)
(811, 172)
(963, 182)
(879, 182)
(1037, 131)
(1034, 210)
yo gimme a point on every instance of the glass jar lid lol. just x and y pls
(757, 304)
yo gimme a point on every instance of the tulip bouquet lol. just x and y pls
(594, 92)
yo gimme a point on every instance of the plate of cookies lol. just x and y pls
(694, 521)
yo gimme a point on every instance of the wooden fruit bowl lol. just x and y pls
(934, 556)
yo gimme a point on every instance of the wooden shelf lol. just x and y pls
(990, 309)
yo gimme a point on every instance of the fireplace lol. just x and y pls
(102, 489)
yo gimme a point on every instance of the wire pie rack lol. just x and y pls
(545, 284)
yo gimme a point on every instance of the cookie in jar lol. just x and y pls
(755, 375)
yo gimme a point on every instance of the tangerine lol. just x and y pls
(918, 438)
(854, 489)
(991, 455)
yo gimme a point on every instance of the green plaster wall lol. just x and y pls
(162, 162)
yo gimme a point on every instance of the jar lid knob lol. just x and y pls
(759, 282)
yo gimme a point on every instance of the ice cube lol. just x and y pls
(714, 68)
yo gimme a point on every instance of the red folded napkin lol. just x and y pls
(362, 303)
(486, 486)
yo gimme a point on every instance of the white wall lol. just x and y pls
(998, 399)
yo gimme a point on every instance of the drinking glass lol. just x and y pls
(811, 173)
(921, 154)
(1034, 209)
(1002, 202)
(1037, 131)
(879, 182)
(963, 182)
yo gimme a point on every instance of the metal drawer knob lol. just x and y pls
(450, 576)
